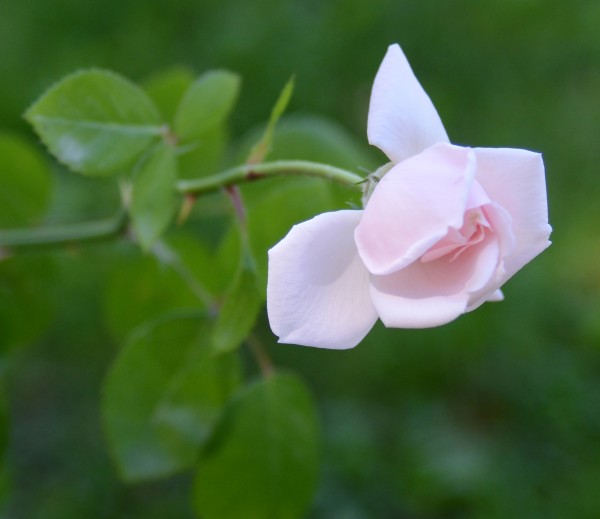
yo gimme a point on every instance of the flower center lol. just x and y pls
(456, 241)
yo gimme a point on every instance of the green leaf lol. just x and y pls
(4, 422)
(5, 483)
(26, 298)
(163, 395)
(206, 104)
(95, 121)
(153, 198)
(238, 314)
(141, 288)
(194, 255)
(205, 155)
(167, 87)
(262, 148)
(26, 182)
(262, 459)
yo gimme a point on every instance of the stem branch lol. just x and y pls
(260, 354)
(250, 172)
(100, 229)
(63, 234)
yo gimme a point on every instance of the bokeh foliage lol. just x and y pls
(495, 415)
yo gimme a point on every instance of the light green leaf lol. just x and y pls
(25, 185)
(166, 88)
(95, 121)
(238, 314)
(153, 197)
(262, 148)
(163, 395)
(204, 156)
(206, 104)
(262, 459)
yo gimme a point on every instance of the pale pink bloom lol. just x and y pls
(440, 234)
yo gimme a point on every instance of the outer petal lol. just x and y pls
(427, 294)
(413, 206)
(318, 288)
(515, 180)
(402, 119)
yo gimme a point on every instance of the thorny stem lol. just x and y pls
(251, 172)
(96, 230)
(64, 234)
(228, 179)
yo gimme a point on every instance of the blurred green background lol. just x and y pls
(496, 415)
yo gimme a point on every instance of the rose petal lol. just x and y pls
(402, 119)
(496, 296)
(414, 205)
(501, 223)
(515, 180)
(318, 288)
(434, 293)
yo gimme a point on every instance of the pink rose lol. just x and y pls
(441, 232)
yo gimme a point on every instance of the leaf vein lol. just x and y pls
(142, 129)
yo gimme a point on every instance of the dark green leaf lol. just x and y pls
(237, 316)
(140, 289)
(262, 459)
(163, 395)
(262, 148)
(5, 482)
(166, 88)
(153, 198)
(195, 256)
(25, 185)
(4, 420)
(206, 104)
(26, 298)
(95, 121)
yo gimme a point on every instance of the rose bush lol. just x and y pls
(441, 232)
